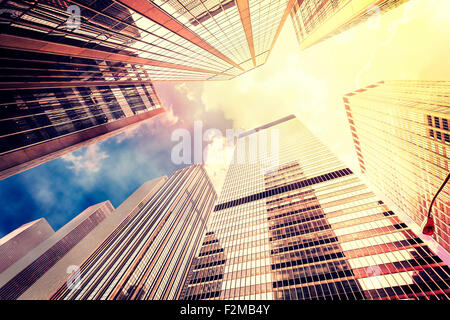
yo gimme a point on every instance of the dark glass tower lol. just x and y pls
(39, 125)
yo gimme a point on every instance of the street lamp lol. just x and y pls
(428, 226)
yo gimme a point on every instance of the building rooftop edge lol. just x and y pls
(268, 125)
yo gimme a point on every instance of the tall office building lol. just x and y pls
(401, 135)
(159, 39)
(39, 125)
(298, 224)
(317, 20)
(148, 256)
(21, 275)
(55, 99)
(62, 271)
(19, 242)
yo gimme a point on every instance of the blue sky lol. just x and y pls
(110, 170)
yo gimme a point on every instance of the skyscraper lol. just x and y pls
(65, 269)
(15, 280)
(160, 39)
(295, 223)
(19, 242)
(317, 20)
(148, 256)
(39, 125)
(59, 92)
(401, 135)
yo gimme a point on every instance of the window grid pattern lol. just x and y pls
(148, 256)
(401, 136)
(34, 116)
(15, 287)
(317, 20)
(111, 27)
(161, 39)
(331, 239)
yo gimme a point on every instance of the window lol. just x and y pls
(445, 124)
(436, 122)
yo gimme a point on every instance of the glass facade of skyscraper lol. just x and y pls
(58, 91)
(149, 254)
(401, 135)
(293, 222)
(317, 20)
(45, 268)
(38, 125)
(34, 116)
(157, 40)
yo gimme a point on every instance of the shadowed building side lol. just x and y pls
(19, 242)
(15, 280)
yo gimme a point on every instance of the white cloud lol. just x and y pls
(151, 126)
(89, 161)
(165, 120)
(168, 118)
(184, 88)
(127, 134)
(217, 158)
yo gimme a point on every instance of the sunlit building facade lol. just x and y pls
(148, 255)
(293, 222)
(24, 273)
(154, 40)
(401, 134)
(317, 20)
(65, 269)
